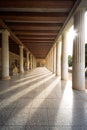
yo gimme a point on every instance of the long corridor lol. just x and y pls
(37, 100)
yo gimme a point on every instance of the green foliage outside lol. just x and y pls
(69, 60)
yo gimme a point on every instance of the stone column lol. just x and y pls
(54, 59)
(47, 61)
(58, 58)
(78, 72)
(27, 60)
(64, 58)
(31, 61)
(21, 59)
(5, 55)
(51, 60)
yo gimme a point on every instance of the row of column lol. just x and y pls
(57, 58)
(32, 61)
(5, 57)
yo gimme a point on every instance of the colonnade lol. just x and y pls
(30, 62)
(57, 58)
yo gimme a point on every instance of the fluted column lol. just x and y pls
(21, 59)
(78, 73)
(5, 55)
(54, 59)
(64, 58)
(58, 58)
(27, 60)
(50, 60)
(31, 61)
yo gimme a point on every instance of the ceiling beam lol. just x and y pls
(28, 27)
(48, 19)
(36, 4)
(36, 38)
(24, 33)
(39, 40)
(4, 26)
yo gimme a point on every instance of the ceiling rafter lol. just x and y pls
(35, 24)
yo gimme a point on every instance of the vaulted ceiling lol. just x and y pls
(35, 23)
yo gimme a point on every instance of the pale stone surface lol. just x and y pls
(54, 59)
(15, 71)
(27, 61)
(64, 58)
(5, 55)
(30, 61)
(78, 77)
(38, 100)
(58, 59)
(21, 59)
(41, 62)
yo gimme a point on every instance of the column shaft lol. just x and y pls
(21, 59)
(27, 61)
(78, 74)
(31, 61)
(54, 59)
(64, 58)
(5, 55)
(58, 59)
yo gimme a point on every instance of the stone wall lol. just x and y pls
(14, 59)
(40, 62)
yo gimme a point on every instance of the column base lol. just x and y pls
(6, 78)
(22, 72)
(27, 69)
(77, 88)
(64, 79)
(78, 76)
(57, 75)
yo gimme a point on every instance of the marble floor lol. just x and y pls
(37, 100)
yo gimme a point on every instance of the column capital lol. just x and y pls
(54, 46)
(4, 31)
(20, 46)
(64, 33)
(28, 52)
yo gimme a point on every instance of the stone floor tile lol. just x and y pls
(17, 118)
(12, 127)
(68, 128)
(24, 103)
(39, 103)
(50, 105)
(37, 117)
(37, 128)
